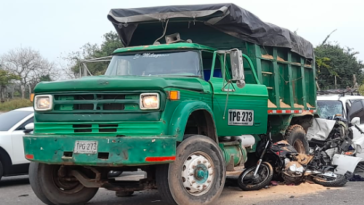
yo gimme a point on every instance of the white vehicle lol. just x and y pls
(348, 106)
(12, 127)
(351, 108)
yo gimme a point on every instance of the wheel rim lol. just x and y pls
(249, 180)
(298, 145)
(67, 187)
(197, 173)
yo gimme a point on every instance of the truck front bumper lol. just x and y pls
(111, 151)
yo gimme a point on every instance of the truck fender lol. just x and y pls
(180, 117)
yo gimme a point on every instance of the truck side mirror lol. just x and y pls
(237, 67)
(355, 121)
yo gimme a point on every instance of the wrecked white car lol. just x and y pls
(350, 108)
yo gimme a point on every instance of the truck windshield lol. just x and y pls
(329, 108)
(186, 63)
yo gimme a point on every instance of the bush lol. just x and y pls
(15, 104)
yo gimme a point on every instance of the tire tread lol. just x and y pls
(339, 182)
(260, 185)
(291, 130)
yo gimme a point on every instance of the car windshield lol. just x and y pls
(329, 108)
(186, 63)
(9, 119)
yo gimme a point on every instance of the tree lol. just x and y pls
(334, 61)
(45, 78)
(6, 79)
(29, 65)
(111, 42)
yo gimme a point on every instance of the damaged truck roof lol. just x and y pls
(227, 18)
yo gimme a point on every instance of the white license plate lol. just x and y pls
(241, 117)
(85, 147)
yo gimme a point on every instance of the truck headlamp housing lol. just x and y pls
(149, 101)
(43, 102)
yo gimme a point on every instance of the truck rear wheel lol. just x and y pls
(296, 136)
(50, 188)
(196, 177)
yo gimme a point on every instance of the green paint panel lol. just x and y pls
(233, 150)
(128, 128)
(98, 117)
(310, 87)
(286, 90)
(118, 83)
(251, 97)
(121, 151)
(297, 85)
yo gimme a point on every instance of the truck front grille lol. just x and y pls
(104, 128)
(114, 128)
(98, 102)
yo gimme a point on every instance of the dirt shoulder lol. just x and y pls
(271, 193)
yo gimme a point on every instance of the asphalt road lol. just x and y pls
(16, 190)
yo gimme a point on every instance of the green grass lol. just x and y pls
(14, 104)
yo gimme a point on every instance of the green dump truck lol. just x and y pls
(186, 100)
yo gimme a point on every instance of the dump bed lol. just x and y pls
(282, 60)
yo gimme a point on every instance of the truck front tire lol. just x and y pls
(50, 189)
(296, 136)
(197, 176)
(34, 183)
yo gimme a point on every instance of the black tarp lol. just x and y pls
(227, 18)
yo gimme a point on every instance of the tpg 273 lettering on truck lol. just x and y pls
(185, 100)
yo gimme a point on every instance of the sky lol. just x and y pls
(56, 28)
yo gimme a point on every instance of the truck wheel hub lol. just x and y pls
(197, 173)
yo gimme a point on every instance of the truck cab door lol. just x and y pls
(237, 111)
